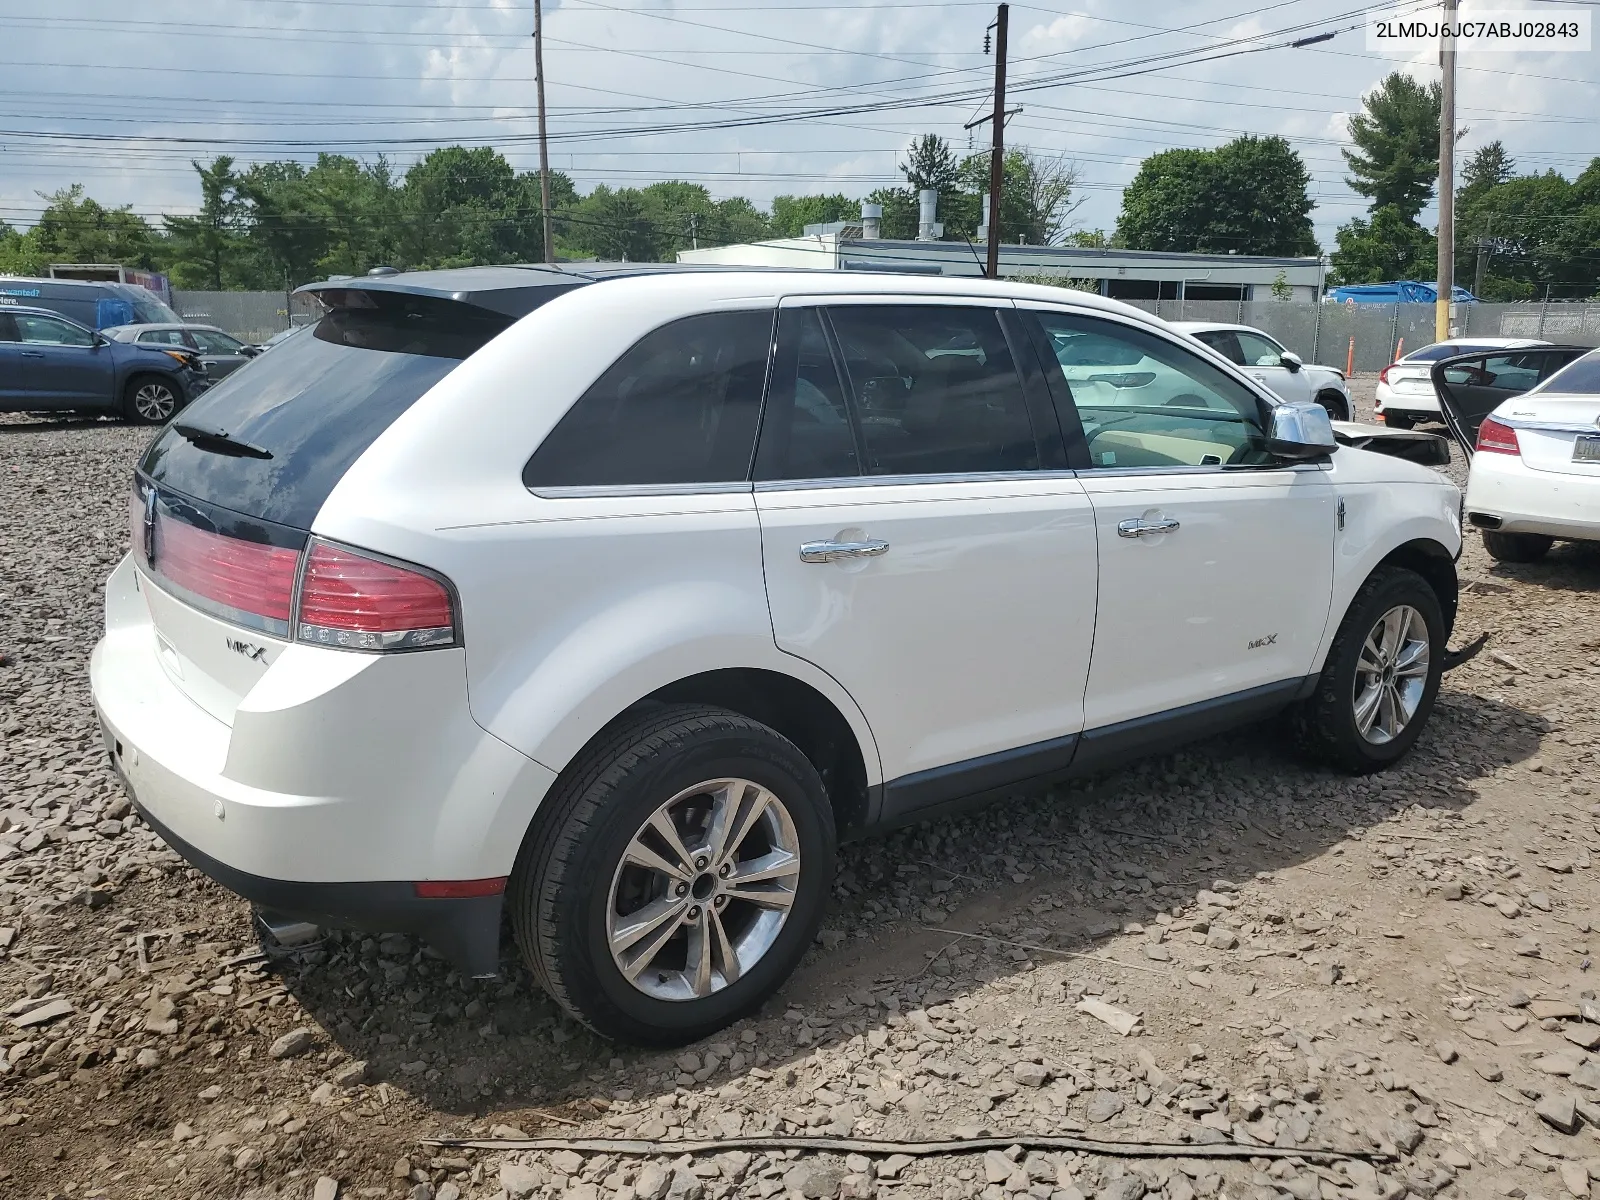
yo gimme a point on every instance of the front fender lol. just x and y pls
(1382, 518)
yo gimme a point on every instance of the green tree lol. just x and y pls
(468, 207)
(791, 214)
(1488, 167)
(74, 228)
(204, 251)
(930, 163)
(19, 252)
(1541, 230)
(1396, 160)
(1036, 202)
(1387, 246)
(338, 217)
(1247, 197)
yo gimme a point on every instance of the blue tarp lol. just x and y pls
(1401, 291)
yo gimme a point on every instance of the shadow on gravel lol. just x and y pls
(23, 424)
(1058, 867)
(1569, 567)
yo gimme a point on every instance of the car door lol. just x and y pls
(11, 389)
(221, 354)
(1216, 561)
(62, 364)
(1264, 362)
(922, 541)
(1471, 388)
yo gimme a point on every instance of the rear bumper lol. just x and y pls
(1505, 494)
(465, 930)
(341, 781)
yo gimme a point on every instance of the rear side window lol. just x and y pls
(162, 337)
(1225, 342)
(680, 407)
(935, 389)
(316, 403)
(1440, 350)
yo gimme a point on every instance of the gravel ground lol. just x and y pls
(1394, 965)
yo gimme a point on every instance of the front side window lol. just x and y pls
(50, 331)
(680, 407)
(935, 389)
(806, 432)
(1259, 351)
(1147, 402)
(215, 343)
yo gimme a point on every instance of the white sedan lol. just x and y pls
(1535, 474)
(1405, 392)
(1265, 360)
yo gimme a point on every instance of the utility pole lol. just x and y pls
(997, 159)
(1484, 249)
(544, 145)
(1447, 177)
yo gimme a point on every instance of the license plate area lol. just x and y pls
(1587, 449)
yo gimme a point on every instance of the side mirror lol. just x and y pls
(249, 351)
(1301, 431)
(1292, 360)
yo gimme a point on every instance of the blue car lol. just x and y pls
(51, 364)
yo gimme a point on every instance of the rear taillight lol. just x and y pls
(246, 582)
(1497, 438)
(1383, 375)
(359, 602)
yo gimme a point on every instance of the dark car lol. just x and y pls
(51, 364)
(97, 304)
(220, 351)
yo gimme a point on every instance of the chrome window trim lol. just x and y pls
(624, 490)
(1546, 426)
(856, 481)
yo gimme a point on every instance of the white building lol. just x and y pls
(1123, 274)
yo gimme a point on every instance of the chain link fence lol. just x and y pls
(250, 316)
(1368, 337)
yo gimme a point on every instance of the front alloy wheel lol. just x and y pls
(703, 889)
(152, 401)
(1391, 674)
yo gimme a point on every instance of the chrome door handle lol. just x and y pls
(33, 354)
(1137, 526)
(826, 552)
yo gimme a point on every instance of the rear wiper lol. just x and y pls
(219, 441)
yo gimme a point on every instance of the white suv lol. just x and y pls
(615, 598)
(1267, 361)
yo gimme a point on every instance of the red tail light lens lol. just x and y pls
(1496, 438)
(357, 602)
(245, 582)
(1383, 375)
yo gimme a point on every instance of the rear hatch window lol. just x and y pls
(272, 439)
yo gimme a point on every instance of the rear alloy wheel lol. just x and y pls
(1381, 676)
(1516, 547)
(150, 401)
(676, 876)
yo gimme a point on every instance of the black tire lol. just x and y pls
(151, 400)
(1396, 420)
(1337, 406)
(1516, 547)
(1325, 725)
(560, 890)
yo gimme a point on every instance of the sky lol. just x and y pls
(811, 95)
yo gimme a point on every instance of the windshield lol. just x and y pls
(1448, 350)
(316, 403)
(1579, 378)
(148, 308)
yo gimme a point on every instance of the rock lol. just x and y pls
(295, 1042)
(813, 1180)
(1221, 939)
(1575, 1178)
(1539, 900)
(326, 1188)
(1588, 1111)
(1119, 1019)
(1587, 1036)
(856, 1186)
(1406, 1135)
(448, 1191)
(1489, 1071)
(147, 1058)
(520, 1180)
(652, 1182)
(42, 1014)
(1446, 1051)
(1103, 1106)
(566, 1162)
(1450, 891)
(1030, 1074)
(891, 1167)
(997, 1167)
(352, 1074)
(1328, 974)
(1559, 1062)
(248, 1159)
(1124, 1187)
(1558, 1112)
(1156, 952)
